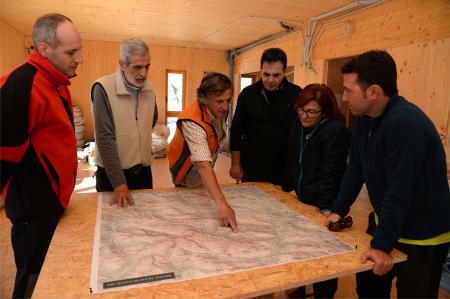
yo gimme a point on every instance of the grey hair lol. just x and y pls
(44, 29)
(132, 47)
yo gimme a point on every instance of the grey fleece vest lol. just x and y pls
(132, 122)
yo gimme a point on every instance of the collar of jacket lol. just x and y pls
(49, 71)
(206, 115)
(259, 86)
(121, 88)
(312, 130)
(212, 117)
(391, 102)
(375, 121)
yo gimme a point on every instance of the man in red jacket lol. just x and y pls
(38, 151)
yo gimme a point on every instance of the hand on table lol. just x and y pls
(332, 217)
(383, 261)
(226, 215)
(122, 196)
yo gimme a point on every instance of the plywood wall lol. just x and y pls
(12, 48)
(194, 61)
(415, 32)
(424, 78)
(102, 58)
(393, 23)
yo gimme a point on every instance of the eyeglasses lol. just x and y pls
(341, 224)
(309, 112)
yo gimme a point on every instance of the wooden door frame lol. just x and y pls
(183, 105)
(335, 83)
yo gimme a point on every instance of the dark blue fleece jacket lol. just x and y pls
(400, 157)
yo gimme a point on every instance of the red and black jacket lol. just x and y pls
(38, 151)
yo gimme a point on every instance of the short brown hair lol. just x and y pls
(213, 84)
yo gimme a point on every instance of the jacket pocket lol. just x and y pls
(52, 171)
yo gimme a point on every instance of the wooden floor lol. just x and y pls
(161, 179)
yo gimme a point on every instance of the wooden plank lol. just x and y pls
(101, 58)
(12, 48)
(179, 22)
(424, 78)
(392, 23)
(70, 256)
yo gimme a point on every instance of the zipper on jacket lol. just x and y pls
(137, 104)
(52, 170)
(68, 109)
(302, 148)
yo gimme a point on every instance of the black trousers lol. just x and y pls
(323, 289)
(138, 177)
(30, 240)
(417, 277)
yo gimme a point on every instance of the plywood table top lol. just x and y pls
(67, 268)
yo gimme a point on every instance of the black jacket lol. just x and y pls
(260, 130)
(400, 157)
(316, 161)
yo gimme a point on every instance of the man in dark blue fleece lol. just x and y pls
(398, 154)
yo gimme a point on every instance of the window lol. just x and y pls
(175, 98)
(246, 81)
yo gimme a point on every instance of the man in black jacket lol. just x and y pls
(260, 128)
(398, 154)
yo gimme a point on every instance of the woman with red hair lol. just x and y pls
(319, 144)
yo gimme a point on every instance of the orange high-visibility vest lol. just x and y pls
(178, 152)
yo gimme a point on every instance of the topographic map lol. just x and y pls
(175, 235)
